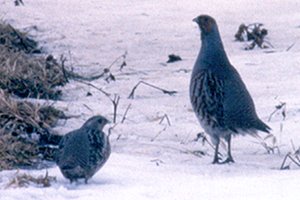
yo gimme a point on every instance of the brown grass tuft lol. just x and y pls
(16, 40)
(27, 76)
(24, 180)
(24, 132)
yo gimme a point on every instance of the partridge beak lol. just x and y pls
(195, 20)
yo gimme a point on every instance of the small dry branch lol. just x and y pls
(167, 118)
(123, 64)
(115, 101)
(131, 95)
(89, 84)
(291, 46)
(111, 129)
(255, 33)
(106, 71)
(158, 134)
(269, 143)
(279, 108)
(63, 59)
(125, 113)
(293, 157)
(75, 76)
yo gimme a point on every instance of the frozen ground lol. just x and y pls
(152, 160)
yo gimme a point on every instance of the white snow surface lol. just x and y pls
(153, 160)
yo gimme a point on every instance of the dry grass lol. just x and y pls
(16, 41)
(25, 137)
(24, 180)
(24, 132)
(292, 157)
(28, 76)
(15, 152)
(24, 74)
(254, 33)
(269, 143)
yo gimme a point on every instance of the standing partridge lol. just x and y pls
(218, 95)
(84, 151)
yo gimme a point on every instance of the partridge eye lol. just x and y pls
(99, 120)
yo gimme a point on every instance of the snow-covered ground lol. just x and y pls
(153, 160)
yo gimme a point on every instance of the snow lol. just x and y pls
(152, 160)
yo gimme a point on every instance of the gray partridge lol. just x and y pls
(218, 95)
(84, 151)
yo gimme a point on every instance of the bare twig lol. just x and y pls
(88, 107)
(270, 147)
(110, 77)
(282, 107)
(63, 60)
(283, 166)
(131, 95)
(123, 65)
(297, 153)
(125, 114)
(158, 134)
(123, 56)
(89, 84)
(115, 102)
(291, 46)
(288, 155)
(165, 117)
(75, 76)
(111, 129)
(119, 136)
(71, 59)
(294, 157)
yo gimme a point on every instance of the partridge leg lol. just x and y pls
(216, 157)
(229, 158)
